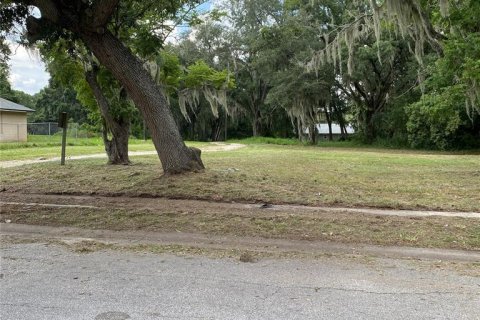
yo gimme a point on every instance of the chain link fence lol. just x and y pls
(51, 129)
(43, 128)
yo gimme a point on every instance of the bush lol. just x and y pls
(440, 121)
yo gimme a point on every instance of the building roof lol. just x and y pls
(12, 106)
(322, 128)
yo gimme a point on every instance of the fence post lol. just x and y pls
(63, 123)
(49, 129)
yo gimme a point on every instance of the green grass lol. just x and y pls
(352, 142)
(278, 174)
(291, 142)
(50, 146)
(35, 141)
(267, 140)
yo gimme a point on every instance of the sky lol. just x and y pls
(27, 71)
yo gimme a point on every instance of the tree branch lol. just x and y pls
(47, 8)
(102, 11)
(36, 28)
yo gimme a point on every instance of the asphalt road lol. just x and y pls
(40, 281)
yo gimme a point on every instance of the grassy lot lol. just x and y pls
(49, 147)
(278, 174)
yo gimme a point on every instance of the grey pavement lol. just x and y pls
(44, 281)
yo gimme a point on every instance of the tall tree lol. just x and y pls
(96, 88)
(246, 19)
(56, 98)
(374, 83)
(305, 95)
(89, 22)
(6, 91)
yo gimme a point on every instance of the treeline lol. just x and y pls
(277, 68)
(298, 63)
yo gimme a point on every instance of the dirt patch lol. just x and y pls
(241, 220)
(248, 249)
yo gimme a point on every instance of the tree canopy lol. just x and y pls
(402, 71)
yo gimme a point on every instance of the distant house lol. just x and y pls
(13, 121)
(322, 131)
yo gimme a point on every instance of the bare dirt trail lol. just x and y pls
(213, 147)
(226, 242)
(125, 202)
(261, 246)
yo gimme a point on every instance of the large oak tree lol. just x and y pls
(88, 21)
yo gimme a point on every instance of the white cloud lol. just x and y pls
(27, 71)
(29, 82)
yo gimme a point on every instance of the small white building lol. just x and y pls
(322, 130)
(13, 121)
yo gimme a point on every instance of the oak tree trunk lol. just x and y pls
(329, 122)
(365, 120)
(312, 132)
(119, 127)
(256, 124)
(300, 134)
(341, 121)
(116, 147)
(174, 155)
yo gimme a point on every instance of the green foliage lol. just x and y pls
(6, 91)
(25, 99)
(251, 55)
(200, 74)
(68, 64)
(11, 14)
(170, 71)
(144, 25)
(144, 42)
(120, 105)
(55, 99)
(460, 66)
(448, 115)
(439, 121)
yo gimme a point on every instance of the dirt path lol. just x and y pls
(279, 247)
(213, 147)
(87, 201)
(228, 242)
